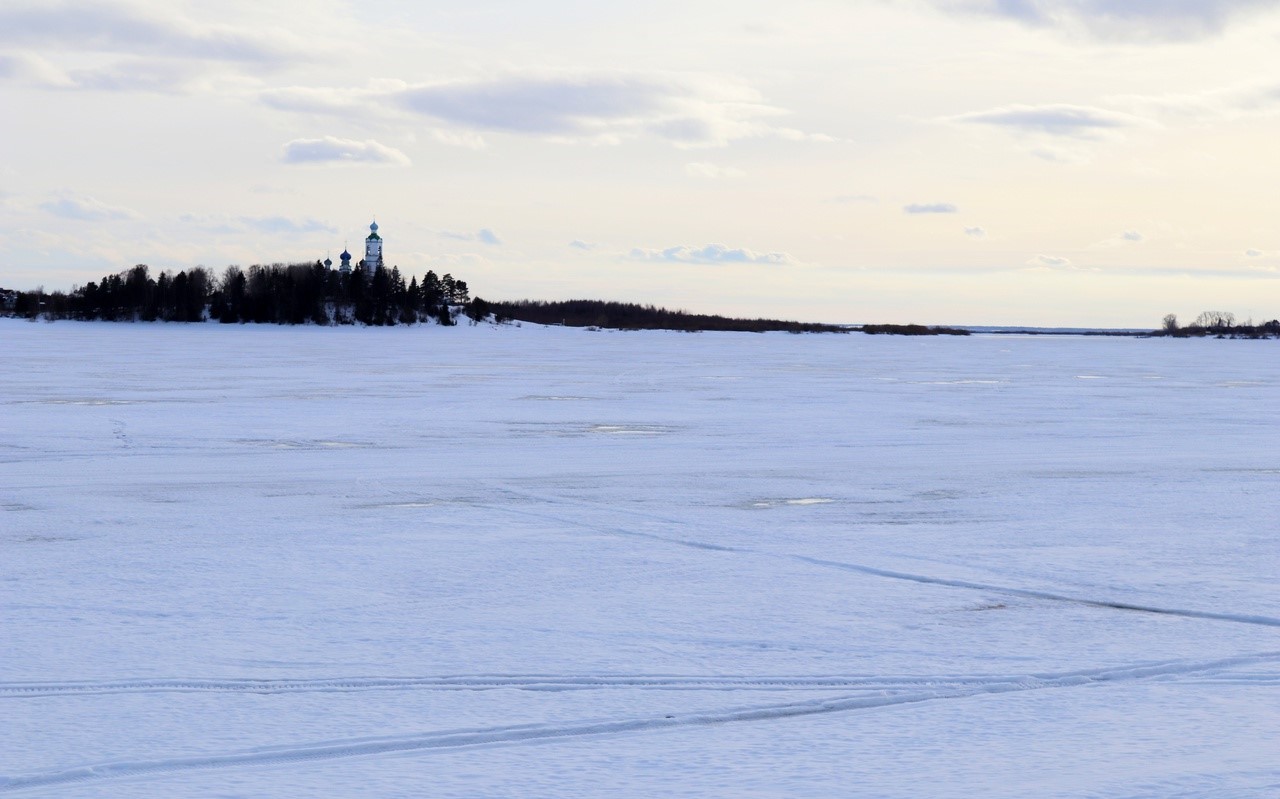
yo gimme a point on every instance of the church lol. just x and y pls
(372, 254)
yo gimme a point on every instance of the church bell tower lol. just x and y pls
(373, 249)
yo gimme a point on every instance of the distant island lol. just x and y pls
(316, 294)
(372, 294)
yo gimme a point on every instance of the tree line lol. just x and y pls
(1219, 324)
(275, 294)
(631, 316)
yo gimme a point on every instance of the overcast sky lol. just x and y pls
(1091, 162)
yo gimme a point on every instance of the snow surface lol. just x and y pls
(242, 561)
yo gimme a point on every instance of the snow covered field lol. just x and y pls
(483, 562)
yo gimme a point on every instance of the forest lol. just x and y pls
(631, 316)
(1218, 324)
(286, 294)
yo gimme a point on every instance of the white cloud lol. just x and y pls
(975, 232)
(712, 254)
(1123, 239)
(579, 244)
(603, 107)
(930, 208)
(1135, 20)
(32, 69)
(135, 29)
(263, 224)
(1254, 253)
(154, 76)
(331, 150)
(1052, 261)
(483, 235)
(1072, 121)
(280, 224)
(87, 209)
(165, 75)
(702, 169)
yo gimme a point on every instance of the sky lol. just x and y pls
(1038, 162)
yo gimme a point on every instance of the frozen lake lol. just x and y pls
(501, 562)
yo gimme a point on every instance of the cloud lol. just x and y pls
(604, 107)
(1240, 101)
(579, 244)
(331, 150)
(277, 225)
(484, 236)
(1123, 239)
(115, 27)
(702, 169)
(930, 208)
(1254, 253)
(31, 69)
(153, 76)
(1134, 20)
(712, 254)
(975, 232)
(1073, 121)
(86, 209)
(280, 224)
(156, 75)
(1052, 261)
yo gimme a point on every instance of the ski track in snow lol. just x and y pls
(446, 740)
(546, 682)
(1030, 593)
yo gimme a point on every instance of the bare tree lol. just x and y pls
(1215, 320)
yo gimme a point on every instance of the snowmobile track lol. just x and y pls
(446, 740)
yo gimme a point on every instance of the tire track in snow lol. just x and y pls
(446, 740)
(1030, 593)
(1238, 618)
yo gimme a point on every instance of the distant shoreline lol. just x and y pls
(312, 294)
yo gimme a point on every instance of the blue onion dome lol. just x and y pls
(374, 227)
(346, 256)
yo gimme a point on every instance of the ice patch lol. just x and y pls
(773, 503)
(305, 444)
(89, 401)
(631, 429)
